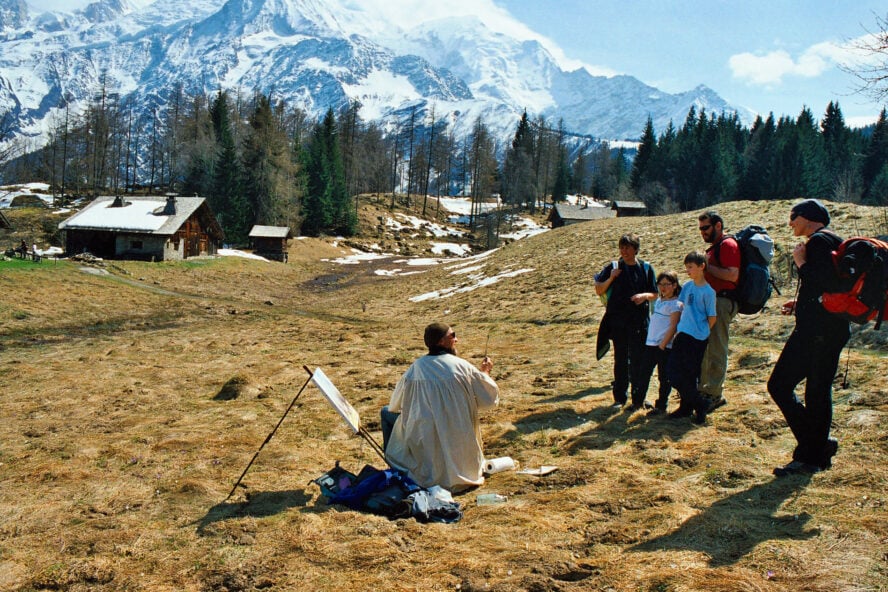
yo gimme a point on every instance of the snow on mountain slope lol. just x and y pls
(315, 54)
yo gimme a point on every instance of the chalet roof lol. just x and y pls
(4, 223)
(571, 212)
(270, 232)
(140, 215)
(628, 205)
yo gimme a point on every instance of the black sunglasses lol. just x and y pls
(451, 335)
(705, 227)
(793, 215)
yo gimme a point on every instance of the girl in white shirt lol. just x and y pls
(661, 330)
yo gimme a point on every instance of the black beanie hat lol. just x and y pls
(434, 333)
(813, 210)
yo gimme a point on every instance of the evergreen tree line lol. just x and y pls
(711, 159)
(259, 161)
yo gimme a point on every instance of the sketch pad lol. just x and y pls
(332, 394)
(539, 471)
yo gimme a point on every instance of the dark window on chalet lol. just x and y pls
(136, 245)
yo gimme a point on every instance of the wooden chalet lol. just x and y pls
(4, 222)
(629, 208)
(148, 228)
(270, 241)
(564, 214)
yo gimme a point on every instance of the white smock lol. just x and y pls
(437, 437)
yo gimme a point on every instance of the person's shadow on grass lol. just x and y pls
(731, 527)
(257, 505)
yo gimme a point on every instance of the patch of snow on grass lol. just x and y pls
(238, 253)
(480, 282)
(458, 250)
(412, 222)
(357, 257)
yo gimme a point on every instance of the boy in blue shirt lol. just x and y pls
(698, 315)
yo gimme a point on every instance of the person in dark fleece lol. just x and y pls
(812, 351)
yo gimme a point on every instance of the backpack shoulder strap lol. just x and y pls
(648, 270)
(716, 248)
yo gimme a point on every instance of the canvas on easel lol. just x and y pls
(331, 393)
(348, 413)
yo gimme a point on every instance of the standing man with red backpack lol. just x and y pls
(812, 351)
(722, 273)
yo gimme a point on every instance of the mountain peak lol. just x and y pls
(316, 54)
(13, 14)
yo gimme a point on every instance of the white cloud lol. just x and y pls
(772, 68)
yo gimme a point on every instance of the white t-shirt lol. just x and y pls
(660, 320)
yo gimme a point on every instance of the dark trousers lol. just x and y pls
(814, 359)
(387, 423)
(628, 359)
(683, 368)
(654, 357)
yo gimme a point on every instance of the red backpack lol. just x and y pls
(862, 265)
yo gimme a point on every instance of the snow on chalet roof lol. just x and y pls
(270, 232)
(138, 214)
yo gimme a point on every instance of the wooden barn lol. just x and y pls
(148, 228)
(629, 208)
(564, 214)
(270, 241)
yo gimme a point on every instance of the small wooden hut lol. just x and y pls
(270, 241)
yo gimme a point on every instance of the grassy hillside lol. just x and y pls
(135, 394)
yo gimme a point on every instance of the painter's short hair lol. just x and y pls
(695, 257)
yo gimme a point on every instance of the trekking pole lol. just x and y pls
(310, 376)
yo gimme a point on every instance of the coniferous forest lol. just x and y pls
(260, 161)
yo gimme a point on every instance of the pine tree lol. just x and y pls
(758, 160)
(643, 158)
(327, 206)
(815, 176)
(844, 179)
(875, 163)
(519, 185)
(197, 142)
(562, 176)
(226, 197)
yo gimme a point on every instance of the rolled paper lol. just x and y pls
(496, 465)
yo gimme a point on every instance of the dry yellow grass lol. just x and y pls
(132, 401)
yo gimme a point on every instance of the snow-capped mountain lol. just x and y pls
(314, 54)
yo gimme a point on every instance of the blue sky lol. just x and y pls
(770, 56)
(767, 55)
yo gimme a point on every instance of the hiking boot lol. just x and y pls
(700, 412)
(617, 406)
(716, 403)
(832, 446)
(797, 467)
(829, 451)
(681, 412)
(657, 411)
